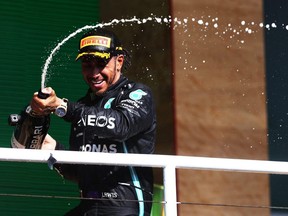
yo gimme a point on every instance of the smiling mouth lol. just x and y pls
(97, 82)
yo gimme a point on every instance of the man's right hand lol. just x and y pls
(45, 106)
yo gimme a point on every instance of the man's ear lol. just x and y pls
(120, 61)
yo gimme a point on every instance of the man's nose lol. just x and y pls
(95, 70)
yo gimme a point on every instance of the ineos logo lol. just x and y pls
(99, 121)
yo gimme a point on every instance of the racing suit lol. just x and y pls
(122, 120)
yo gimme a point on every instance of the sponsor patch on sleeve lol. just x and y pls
(137, 94)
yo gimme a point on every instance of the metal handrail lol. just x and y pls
(169, 163)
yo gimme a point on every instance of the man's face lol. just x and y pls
(100, 75)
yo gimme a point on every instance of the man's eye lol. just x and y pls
(87, 66)
(91, 65)
(101, 64)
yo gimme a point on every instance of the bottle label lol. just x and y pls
(15, 143)
(36, 137)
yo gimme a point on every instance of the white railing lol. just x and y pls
(169, 163)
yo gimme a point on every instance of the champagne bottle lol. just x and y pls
(30, 129)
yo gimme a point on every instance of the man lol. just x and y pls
(115, 116)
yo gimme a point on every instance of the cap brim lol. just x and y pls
(102, 55)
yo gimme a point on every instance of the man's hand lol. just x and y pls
(45, 106)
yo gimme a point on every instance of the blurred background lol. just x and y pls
(218, 71)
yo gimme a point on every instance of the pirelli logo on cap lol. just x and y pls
(95, 41)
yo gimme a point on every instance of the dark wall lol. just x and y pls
(276, 48)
